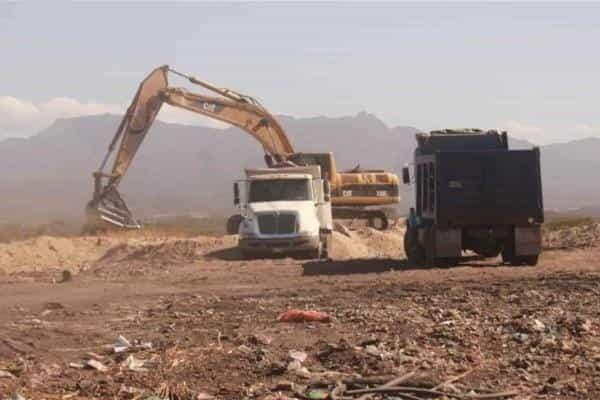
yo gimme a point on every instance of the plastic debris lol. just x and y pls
(298, 355)
(6, 374)
(261, 339)
(204, 396)
(16, 396)
(317, 394)
(135, 364)
(121, 345)
(97, 365)
(538, 325)
(245, 349)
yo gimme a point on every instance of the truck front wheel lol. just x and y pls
(233, 224)
(315, 253)
(325, 247)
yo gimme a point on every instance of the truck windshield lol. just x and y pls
(279, 190)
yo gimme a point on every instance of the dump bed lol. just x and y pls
(490, 187)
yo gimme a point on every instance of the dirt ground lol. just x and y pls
(200, 322)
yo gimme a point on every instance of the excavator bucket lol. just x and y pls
(107, 204)
(110, 208)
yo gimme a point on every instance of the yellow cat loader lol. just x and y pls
(355, 194)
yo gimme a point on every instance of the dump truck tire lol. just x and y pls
(415, 254)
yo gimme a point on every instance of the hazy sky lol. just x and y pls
(532, 69)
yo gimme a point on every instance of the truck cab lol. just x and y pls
(473, 193)
(284, 211)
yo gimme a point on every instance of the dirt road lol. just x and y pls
(211, 321)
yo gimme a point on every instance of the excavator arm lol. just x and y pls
(230, 107)
(249, 117)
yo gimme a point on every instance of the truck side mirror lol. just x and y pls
(326, 191)
(405, 176)
(236, 194)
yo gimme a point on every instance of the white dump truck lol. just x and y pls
(284, 211)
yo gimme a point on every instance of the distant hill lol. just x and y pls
(571, 173)
(190, 169)
(179, 169)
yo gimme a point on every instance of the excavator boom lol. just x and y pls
(249, 117)
(352, 192)
(231, 107)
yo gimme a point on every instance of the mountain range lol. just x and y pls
(184, 169)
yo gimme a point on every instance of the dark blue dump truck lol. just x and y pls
(473, 194)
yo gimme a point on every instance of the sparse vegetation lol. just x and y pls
(187, 226)
(559, 222)
(177, 226)
(10, 232)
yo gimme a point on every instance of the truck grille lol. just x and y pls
(270, 223)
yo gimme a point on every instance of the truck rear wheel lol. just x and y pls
(509, 257)
(415, 254)
(531, 260)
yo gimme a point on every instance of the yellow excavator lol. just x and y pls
(355, 194)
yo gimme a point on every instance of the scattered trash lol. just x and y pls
(260, 339)
(286, 386)
(294, 365)
(296, 368)
(299, 356)
(303, 316)
(520, 337)
(16, 396)
(204, 396)
(135, 364)
(245, 349)
(76, 365)
(95, 364)
(538, 325)
(317, 394)
(121, 345)
(178, 391)
(130, 390)
(6, 374)
(95, 356)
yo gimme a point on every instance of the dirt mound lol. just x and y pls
(345, 247)
(166, 251)
(587, 235)
(78, 253)
(51, 252)
(387, 243)
(367, 243)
